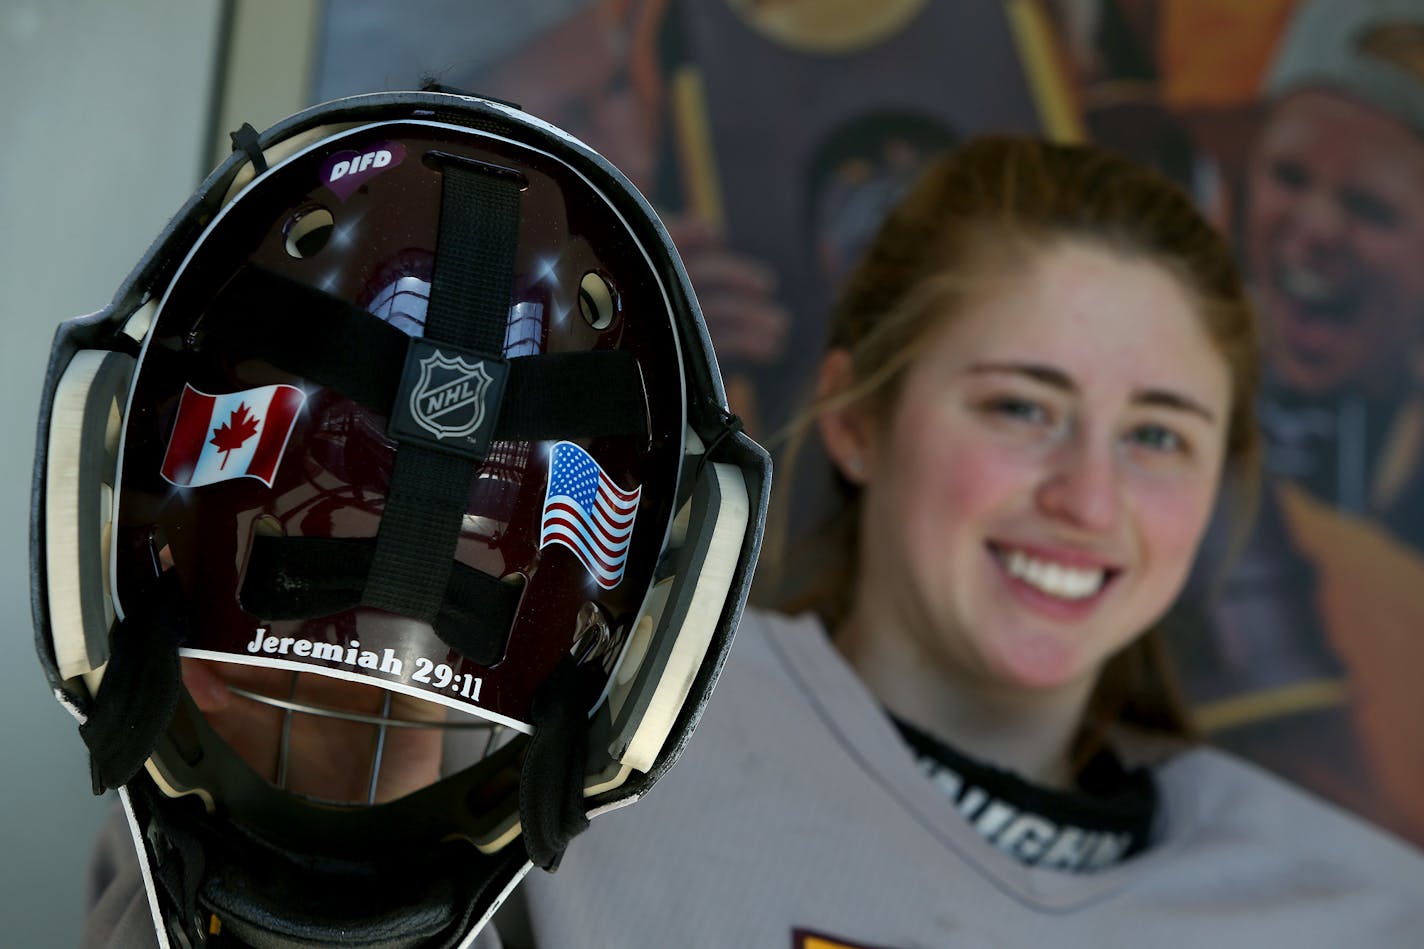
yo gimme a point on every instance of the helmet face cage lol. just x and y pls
(319, 475)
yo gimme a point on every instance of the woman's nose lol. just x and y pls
(1081, 485)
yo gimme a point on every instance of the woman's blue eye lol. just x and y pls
(1158, 438)
(1020, 410)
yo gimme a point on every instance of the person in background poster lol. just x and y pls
(1315, 629)
(1115, 70)
(857, 175)
(600, 73)
(1334, 238)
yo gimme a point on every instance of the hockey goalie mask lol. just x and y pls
(389, 523)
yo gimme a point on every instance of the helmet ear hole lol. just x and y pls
(597, 301)
(307, 231)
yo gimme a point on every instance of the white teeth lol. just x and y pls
(1308, 286)
(1055, 579)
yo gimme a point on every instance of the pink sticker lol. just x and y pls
(346, 171)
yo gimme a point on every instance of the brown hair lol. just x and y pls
(973, 217)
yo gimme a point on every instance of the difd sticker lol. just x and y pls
(346, 171)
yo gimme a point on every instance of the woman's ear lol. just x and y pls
(842, 423)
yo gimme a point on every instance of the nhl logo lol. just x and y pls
(448, 400)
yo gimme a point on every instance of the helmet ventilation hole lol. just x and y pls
(597, 301)
(307, 231)
(268, 526)
(593, 635)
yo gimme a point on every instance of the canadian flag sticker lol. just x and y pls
(237, 435)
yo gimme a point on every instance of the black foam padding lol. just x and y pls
(139, 692)
(551, 804)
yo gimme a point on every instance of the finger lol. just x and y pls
(753, 331)
(689, 232)
(720, 271)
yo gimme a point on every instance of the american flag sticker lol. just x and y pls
(237, 435)
(587, 513)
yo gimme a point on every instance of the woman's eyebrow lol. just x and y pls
(1058, 379)
(1167, 399)
(1039, 372)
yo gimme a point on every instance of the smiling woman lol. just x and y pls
(1035, 384)
(1034, 499)
(1076, 340)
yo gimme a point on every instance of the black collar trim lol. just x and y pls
(1105, 820)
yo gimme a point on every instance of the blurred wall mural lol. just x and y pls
(773, 134)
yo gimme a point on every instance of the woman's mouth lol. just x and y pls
(1053, 576)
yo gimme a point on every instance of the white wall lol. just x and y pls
(102, 124)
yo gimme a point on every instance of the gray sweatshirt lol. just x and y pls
(799, 817)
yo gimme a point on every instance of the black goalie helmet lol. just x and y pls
(388, 524)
